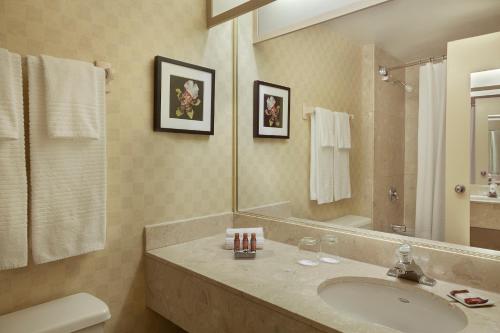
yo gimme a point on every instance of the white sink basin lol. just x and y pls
(401, 306)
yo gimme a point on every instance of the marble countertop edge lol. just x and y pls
(239, 292)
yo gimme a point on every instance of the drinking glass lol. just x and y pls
(308, 251)
(328, 248)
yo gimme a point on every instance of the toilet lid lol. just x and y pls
(63, 315)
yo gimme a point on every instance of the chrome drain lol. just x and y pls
(403, 300)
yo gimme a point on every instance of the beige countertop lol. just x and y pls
(275, 280)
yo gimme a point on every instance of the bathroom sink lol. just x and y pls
(400, 306)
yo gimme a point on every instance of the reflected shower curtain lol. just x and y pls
(429, 220)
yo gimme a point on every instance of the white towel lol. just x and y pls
(321, 166)
(259, 232)
(229, 243)
(72, 91)
(341, 174)
(342, 130)
(325, 126)
(68, 179)
(342, 179)
(13, 183)
(9, 104)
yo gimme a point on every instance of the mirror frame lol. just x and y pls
(232, 13)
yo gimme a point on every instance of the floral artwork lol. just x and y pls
(272, 113)
(188, 97)
(184, 97)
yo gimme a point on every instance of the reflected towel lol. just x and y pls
(342, 179)
(325, 123)
(342, 130)
(321, 164)
(341, 172)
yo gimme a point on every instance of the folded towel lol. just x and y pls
(341, 174)
(13, 183)
(259, 232)
(321, 178)
(342, 130)
(10, 75)
(72, 90)
(229, 243)
(68, 181)
(325, 126)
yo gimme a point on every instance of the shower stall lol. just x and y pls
(409, 146)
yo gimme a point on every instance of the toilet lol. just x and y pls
(79, 313)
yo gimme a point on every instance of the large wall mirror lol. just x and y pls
(383, 168)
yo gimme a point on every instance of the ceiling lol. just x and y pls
(414, 29)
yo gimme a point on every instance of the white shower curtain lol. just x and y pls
(429, 220)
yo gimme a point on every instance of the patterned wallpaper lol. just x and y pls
(322, 69)
(152, 177)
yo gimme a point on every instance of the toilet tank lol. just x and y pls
(82, 313)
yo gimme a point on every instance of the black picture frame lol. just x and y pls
(258, 114)
(182, 126)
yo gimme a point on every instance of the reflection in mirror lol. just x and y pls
(485, 116)
(485, 158)
(366, 146)
(494, 143)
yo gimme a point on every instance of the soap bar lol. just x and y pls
(475, 300)
(469, 299)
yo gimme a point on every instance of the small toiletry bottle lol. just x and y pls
(237, 243)
(253, 242)
(245, 242)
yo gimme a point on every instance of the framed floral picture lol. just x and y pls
(271, 117)
(184, 97)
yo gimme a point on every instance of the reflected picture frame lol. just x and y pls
(271, 118)
(184, 97)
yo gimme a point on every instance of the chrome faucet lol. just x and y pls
(393, 194)
(407, 269)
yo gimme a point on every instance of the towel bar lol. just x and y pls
(307, 110)
(108, 70)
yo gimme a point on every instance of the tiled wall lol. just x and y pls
(389, 145)
(411, 147)
(152, 177)
(322, 69)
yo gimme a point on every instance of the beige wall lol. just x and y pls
(411, 146)
(389, 136)
(464, 57)
(152, 177)
(322, 69)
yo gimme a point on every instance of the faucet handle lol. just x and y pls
(404, 254)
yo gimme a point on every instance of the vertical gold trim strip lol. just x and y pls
(235, 115)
